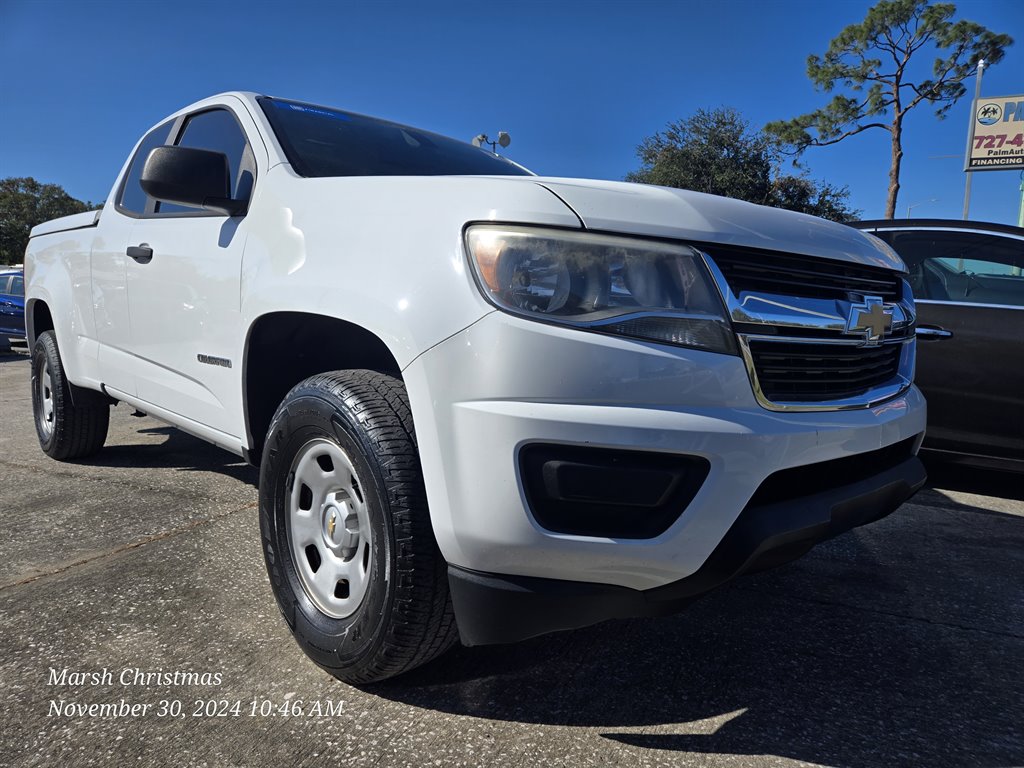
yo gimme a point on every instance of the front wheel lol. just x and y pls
(346, 532)
(71, 422)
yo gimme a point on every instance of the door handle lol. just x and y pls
(142, 253)
(929, 332)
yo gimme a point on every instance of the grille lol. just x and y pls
(789, 372)
(777, 273)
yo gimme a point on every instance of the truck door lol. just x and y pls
(183, 278)
(117, 365)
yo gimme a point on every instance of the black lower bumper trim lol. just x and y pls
(494, 608)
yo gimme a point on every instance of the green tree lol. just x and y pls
(24, 202)
(883, 62)
(717, 152)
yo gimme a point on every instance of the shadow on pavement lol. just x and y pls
(789, 663)
(179, 451)
(986, 482)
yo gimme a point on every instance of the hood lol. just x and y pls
(641, 209)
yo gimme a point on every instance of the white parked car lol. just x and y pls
(484, 403)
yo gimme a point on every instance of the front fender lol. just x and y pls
(383, 253)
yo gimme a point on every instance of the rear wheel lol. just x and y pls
(346, 531)
(71, 422)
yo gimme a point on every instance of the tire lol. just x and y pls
(366, 596)
(71, 422)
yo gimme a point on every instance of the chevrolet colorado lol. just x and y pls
(485, 404)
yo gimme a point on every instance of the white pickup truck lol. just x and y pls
(485, 404)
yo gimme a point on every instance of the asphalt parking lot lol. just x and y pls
(901, 643)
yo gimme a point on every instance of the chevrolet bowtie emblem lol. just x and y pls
(331, 523)
(872, 319)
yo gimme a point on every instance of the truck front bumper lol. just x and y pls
(486, 397)
(494, 608)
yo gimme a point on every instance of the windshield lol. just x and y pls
(320, 141)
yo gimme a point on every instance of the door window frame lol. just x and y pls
(174, 135)
(975, 230)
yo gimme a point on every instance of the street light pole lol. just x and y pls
(1020, 213)
(912, 206)
(968, 174)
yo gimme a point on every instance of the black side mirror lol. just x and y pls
(190, 176)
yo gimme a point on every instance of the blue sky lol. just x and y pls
(577, 84)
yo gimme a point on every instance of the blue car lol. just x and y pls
(12, 303)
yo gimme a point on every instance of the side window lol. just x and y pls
(963, 267)
(980, 267)
(132, 198)
(218, 130)
(17, 287)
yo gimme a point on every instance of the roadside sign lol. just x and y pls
(996, 136)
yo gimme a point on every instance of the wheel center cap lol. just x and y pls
(333, 526)
(340, 527)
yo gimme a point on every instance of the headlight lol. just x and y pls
(620, 285)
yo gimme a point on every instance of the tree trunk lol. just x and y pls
(894, 168)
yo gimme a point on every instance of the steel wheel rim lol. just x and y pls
(329, 528)
(45, 386)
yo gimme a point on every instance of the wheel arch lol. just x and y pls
(38, 319)
(283, 348)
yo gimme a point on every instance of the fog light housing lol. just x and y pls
(608, 492)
